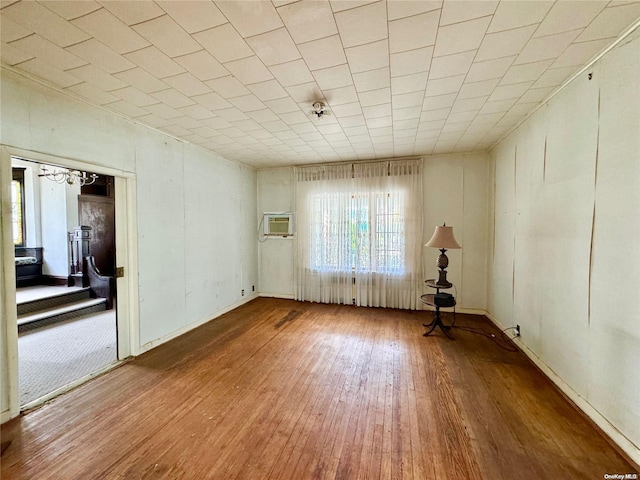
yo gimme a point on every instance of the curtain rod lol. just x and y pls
(352, 162)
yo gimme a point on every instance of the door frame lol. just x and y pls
(127, 299)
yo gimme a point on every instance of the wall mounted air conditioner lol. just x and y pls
(278, 224)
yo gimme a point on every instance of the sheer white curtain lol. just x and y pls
(359, 233)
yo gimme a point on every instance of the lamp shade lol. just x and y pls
(443, 238)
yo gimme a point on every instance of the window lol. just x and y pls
(373, 234)
(17, 207)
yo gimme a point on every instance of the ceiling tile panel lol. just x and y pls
(269, 90)
(251, 18)
(477, 89)
(611, 22)
(368, 57)
(307, 93)
(249, 70)
(413, 32)
(168, 36)
(212, 101)
(413, 61)
(274, 47)
(397, 9)
(372, 80)
(202, 65)
(362, 25)
(439, 101)
(49, 52)
(111, 31)
(282, 105)
(578, 54)
(443, 86)
(324, 53)
(197, 112)
(134, 96)
(44, 22)
(92, 93)
(567, 15)
(543, 48)
(265, 115)
(489, 69)
(228, 86)
(377, 111)
(375, 97)
(407, 100)
(99, 55)
(409, 83)
(187, 84)
(97, 77)
(302, 20)
(125, 108)
(164, 111)
(132, 13)
(173, 98)
(468, 104)
(142, 80)
(10, 30)
(224, 43)
(10, 55)
(72, 8)
(334, 77)
(247, 103)
(463, 10)
(338, 96)
(292, 73)
(510, 15)
(155, 62)
(504, 44)
(506, 92)
(194, 16)
(553, 77)
(525, 73)
(461, 37)
(451, 65)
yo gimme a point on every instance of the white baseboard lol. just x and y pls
(6, 416)
(277, 295)
(626, 445)
(181, 331)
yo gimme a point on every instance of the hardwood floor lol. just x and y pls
(279, 389)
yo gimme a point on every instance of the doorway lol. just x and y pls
(67, 332)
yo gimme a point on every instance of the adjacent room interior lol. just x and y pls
(380, 239)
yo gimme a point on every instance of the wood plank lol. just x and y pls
(279, 389)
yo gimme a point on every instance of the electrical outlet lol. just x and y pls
(243, 292)
(517, 330)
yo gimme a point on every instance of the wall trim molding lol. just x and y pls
(187, 328)
(285, 296)
(625, 446)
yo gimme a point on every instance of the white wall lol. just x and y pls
(456, 191)
(197, 243)
(565, 260)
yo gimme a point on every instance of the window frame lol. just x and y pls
(17, 175)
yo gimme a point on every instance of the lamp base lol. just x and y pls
(442, 280)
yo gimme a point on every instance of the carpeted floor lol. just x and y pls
(54, 356)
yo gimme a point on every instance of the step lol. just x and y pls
(56, 298)
(59, 313)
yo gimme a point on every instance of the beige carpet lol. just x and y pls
(56, 355)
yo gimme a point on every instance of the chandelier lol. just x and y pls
(67, 176)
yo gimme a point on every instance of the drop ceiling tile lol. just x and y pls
(149, 118)
(173, 98)
(324, 53)
(525, 73)
(504, 44)
(10, 30)
(554, 77)
(248, 125)
(564, 17)
(334, 128)
(212, 101)
(443, 86)
(347, 109)
(88, 91)
(205, 132)
(338, 96)
(305, 128)
(489, 69)
(261, 133)
(368, 57)
(302, 20)
(372, 80)
(306, 93)
(468, 104)
(409, 83)
(377, 111)
(194, 16)
(497, 107)
(111, 31)
(228, 87)
(375, 97)
(133, 13)
(400, 123)
(461, 37)
(352, 121)
(36, 46)
(451, 65)
(96, 53)
(407, 113)
(292, 118)
(164, 33)
(202, 65)
(362, 25)
(282, 105)
(536, 95)
(134, 96)
(217, 123)
(274, 47)
(11, 55)
(506, 92)
(611, 22)
(127, 109)
(543, 48)
(413, 32)
(175, 130)
(334, 77)
(439, 101)
(142, 80)
(247, 103)
(251, 18)
(477, 89)
(197, 112)
(249, 70)
(413, 61)
(262, 116)
(400, 8)
(578, 54)
(429, 126)
(155, 62)
(292, 73)
(187, 122)
(269, 90)
(44, 22)
(511, 15)
(224, 43)
(187, 84)
(71, 9)
(276, 126)
(97, 77)
(164, 111)
(232, 132)
(461, 11)
(431, 115)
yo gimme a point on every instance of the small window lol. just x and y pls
(17, 207)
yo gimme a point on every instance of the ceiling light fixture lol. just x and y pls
(67, 176)
(319, 110)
